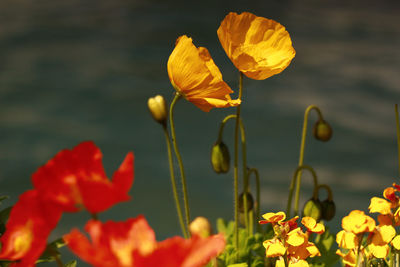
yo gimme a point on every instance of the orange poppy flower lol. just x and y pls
(257, 46)
(133, 243)
(195, 76)
(75, 178)
(28, 227)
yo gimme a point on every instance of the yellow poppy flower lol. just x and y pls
(357, 222)
(380, 205)
(257, 46)
(195, 76)
(274, 248)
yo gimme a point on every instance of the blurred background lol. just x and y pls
(74, 70)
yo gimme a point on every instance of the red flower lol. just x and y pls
(132, 243)
(76, 178)
(29, 225)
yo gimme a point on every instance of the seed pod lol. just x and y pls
(322, 130)
(328, 209)
(158, 108)
(313, 209)
(250, 202)
(200, 226)
(220, 159)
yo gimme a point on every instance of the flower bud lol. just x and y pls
(201, 227)
(313, 209)
(328, 209)
(158, 108)
(250, 202)
(220, 158)
(322, 130)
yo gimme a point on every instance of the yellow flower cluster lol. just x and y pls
(290, 243)
(379, 237)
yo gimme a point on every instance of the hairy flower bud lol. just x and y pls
(220, 159)
(313, 209)
(328, 209)
(322, 130)
(201, 227)
(158, 108)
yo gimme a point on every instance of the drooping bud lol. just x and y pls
(322, 130)
(158, 108)
(313, 209)
(201, 227)
(250, 202)
(220, 159)
(328, 209)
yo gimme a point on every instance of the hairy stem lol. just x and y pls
(179, 159)
(173, 183)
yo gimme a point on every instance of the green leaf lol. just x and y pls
(325, 243)
(51, 251)
(4, 214)
(3, 198)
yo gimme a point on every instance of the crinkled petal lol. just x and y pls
(193, 74)
(257, 46)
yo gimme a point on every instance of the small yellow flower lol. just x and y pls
(312, 225)
(396, 242)
(272, 217)
(380, 205)
(305, 250)
(348, 258)
(257, 46)
(293, 262)
(346, 240)
(296, 237)
(357, 222)
(194, 75)
(280, 262)
(274, 248)
(389, 194)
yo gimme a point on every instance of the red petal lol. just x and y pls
(30, 223)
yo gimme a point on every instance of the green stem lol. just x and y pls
(328, 189)
(358, 250)
(245, 176)
(296, 177)
(179, 159)
(236, 170)
(173, 183)
(303, 141)
(398, 134)
(222, 126)
(56, 257)
(244, 160)
(257, 177)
